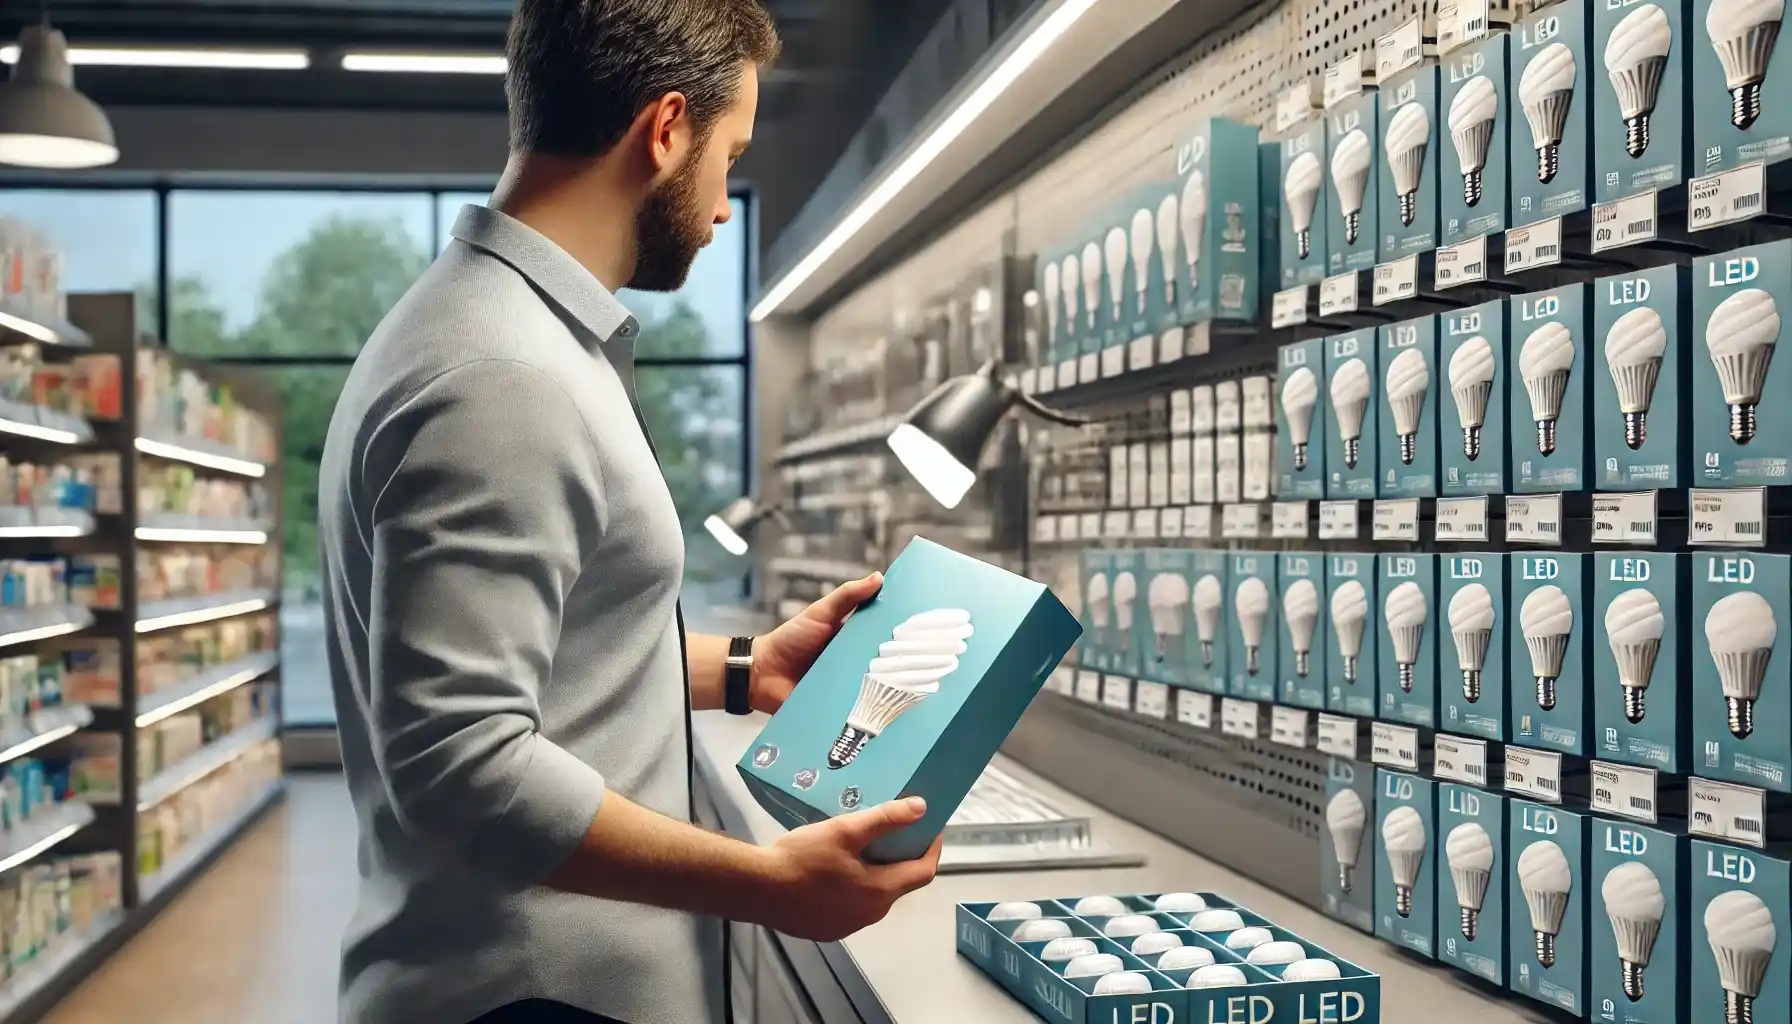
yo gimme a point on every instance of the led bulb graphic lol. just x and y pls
(1545, 363)
(1547, 619)
(1546, 91)
(1096, 594)
(1350, 610)
(1209, 595)
(1312, 970)
(1058, 950)
(907, 670)
(1469, 850)
(1350, 176)
(1408, 382)
(1300, 392)
(1179, 903)
(1051, 300)
(1094, 965)
(1276, 954)
(1407, 612)
(1216, 976)
(1193, 211)
(1183, 958)
(1124, 983)
(1143, 236)
(1092, 282)
(1251, 604)
(1126, 596)
(1015, 912)
(1345, 817)
(1636, 55)
(1634, 901)
(1045, 929)
(1740, 630)
(1403, 838)
(1634, 625)
(1741, 335)
(1546, 879)
(1300, 609)
(1473, 114)
(1471, 383)
(1070, 278)
(1350, 399)
(1740, 928)
(1153, 943)
(1167, 598)
(1167, 239)
(1114, 249)
(1300, 188)
(1743, 33)
(1407, 140)
(1099, 906)
(1633, 350)
(1471, 626)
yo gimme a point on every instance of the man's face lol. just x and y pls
(680, 215)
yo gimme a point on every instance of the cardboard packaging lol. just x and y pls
(1352, 382)
(1552, 157)
(1098, 635)
(1164, 638)
(1347, 844)
(1471, 879)
(1548, 622)
(1738, 79)
(1302, 423)
(1472, 620)
(1301, 658)
(1353, 157)
(1306, 217)
(1408, 435)
(1642, 670)
(1738, 916)
(1640, 432)
(1410, 146)
(1640, 955)
(1209, 658)
(1353, 610)
(1405, 875)
(1472, 361)
(1474, 172)
(1145, 238)
(1228, 443)
(923, 724)
(1548, 378)
(1407, 638)
(1549, 951)
(1258, 439)
(1738, 438)
(1202, 416)
(1640, 115)
(1132, 614)
(1742, 668)
(1218, 216)
(1253, 625)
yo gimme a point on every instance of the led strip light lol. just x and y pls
(25, 636)
(200, 696)
(180, 453)
(59, 530)
(194, 535)
(42, 739)
(198, 615)
(41, 433)
(178, 57)
(30, 328)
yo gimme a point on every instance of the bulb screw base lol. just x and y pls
(1745, 104)
(1742, 423)
(1738, 1009)
(1409, 447)
(1403, 900)
(847, 746)
(1471, 923)
(1471, 442)
(1405, 677)
(1170, 294)
(1251, 664)
(1351, 446)
(1636, 135)
(1636, 429)
(1632, 975)
(1546, 692)
(1471, 688)
(1546, 949)
(1633, 704)
(1408, 208)
(1548, 162)
(1742, 716)
(1300, 456)
(1300, 663)
(1471, 187)
(1349, 668)
(1546, 437)
(1207, 653)
(1303, 240)
(1351, 222)
(1345, 879)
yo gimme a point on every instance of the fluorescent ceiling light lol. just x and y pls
(426, 63)
(1028, 50)
(181, 57)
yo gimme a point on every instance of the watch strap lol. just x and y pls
(737, 676)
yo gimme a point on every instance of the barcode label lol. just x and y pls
(1194, 709)
(1725, 198)
(1724, 810)
(1535, 773)
(1625, 790)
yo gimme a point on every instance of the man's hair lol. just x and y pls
(581, 70)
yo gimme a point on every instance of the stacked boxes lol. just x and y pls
(1742, 669)
(1641, 666)
(1472, 619)
(1407, 639)
(1405, 886)
(1548, 625)
(1471, 879)
(1548, 379)
(1472, 367)
(1546, 868)
(1737, 296)
(1352, 616)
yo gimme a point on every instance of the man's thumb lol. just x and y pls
(867, 826)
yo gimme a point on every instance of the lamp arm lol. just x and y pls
(1046, 412)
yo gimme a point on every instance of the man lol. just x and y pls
(511, 672)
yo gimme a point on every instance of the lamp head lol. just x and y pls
(941, 441)
(44, 120)
(739, 518)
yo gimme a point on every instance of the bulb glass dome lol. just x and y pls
(1180, 903)
(1058, 950)
(1216, 976)
(1312, 970)
(1183, 958)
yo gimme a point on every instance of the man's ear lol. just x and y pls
(668, 134)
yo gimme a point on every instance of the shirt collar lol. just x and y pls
(546, 265)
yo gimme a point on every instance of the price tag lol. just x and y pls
(1724, 810)
(1181, 416)
(1337, 736)
(1238, 718)
(1067, 373)
(1069, 526)
(1045, 529)
(1181, 471)
(1194, 709)
(1088, 368)
(1151, 699)
(1343, 79)
(1396, 281)
(1197, 522)
(1169, 523)
(1625, 790)
(1288, 520)
(1338, 294)
(1289, 307)
(1462, 263)
(1735, 194)
(1144, 524)
(1462, 520)
(1159, 477)
(1460, 759)
(1117, 466)
(1622, 222)
(1534, 773)
(1113, 361)
(1243, 522)
(1090, 524)
(1400, 49)
(1338, 520)
(1088, 686)
(1141, 353)
(1288, 726)
(1116, 692)
(1395, 745)
(1459, 22)
(1294, 106)
(1172, 345)
(1728, 517)
(1534, 519)
(1115, 524)
(1537, 245)
(1138, 473)
(1625, 518)
(1047, 379)
(1397, 519)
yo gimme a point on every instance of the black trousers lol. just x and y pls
(541, 1011)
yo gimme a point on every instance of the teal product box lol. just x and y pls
(1269, 236)
(1252, 625)
(1474, 173)
(1218, 215)
(1099, 641)
(1738, 916)
(1409, 143)
(1132, 618)
(1048, 280)
(1114, 296)
(1639, 931)
(1549, 379)
(1552, 158)
(1405, 875)
(1141, 305)
(1408, 434)
(1641, 669)
(1737, 80)
(1548, 625)
(1165, 640)
(1352, 376)
(1474, 453)
(1305, 216)
(1741, 668)
(1301, 656)
(1353, 172)
(1546, 858)
(1738, 438)
(1209, 660)
(1471, 880)
(1302, 426)
(1639, 97)
(1351, 614)
(916, 724)
(1640, 435)
(1347, 848)
(1471, 601)
(1407, 639)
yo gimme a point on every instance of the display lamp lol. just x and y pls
(941, 440)
(44, 120)
(737, 521)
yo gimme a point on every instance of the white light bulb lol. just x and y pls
(1015, 912)
(1094, 965)
(1545, 877)
(1300, 609)
(1471, 626)
(1634, 625)
(1743, 33)
(1407, 141)
(1350, 389)
(1216, 976)
(1312, 970)
(1740, 630)
(1096, 596)
(1251, 604)
(1469, 850)
(1125, 983)
(1179, 903)
(1350, 176)
(1547, 618)
(1635, 903)
(1545, 363)
(1193, 211)
(1474, 112)
(1167, 597)
(1184, 958)
(1044, 929)
(1099, 906)
(1741, 335)
(908, 668)
(1408, 384)
(1092, 283)
(1050, 286)
(1126, 596)
(1300, 188)
(1153, 943)
(1209, 596)
(1740, 929)
(1350, 609)
(1276, 954)
(1167, 239)
(1128, 925)
(1636, 55)
(1633, 350)
(1407, 612)
(1071, 274)
(1403, 839)
(1345, 817)
(1246, 939)
(1114, 248)
(1300, 393)
(1144, 235)
(1058, 950)
(1213, 921)
(1471, 383)
(1546, 91)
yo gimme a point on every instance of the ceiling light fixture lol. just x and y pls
(940, 442)
(177, 57)
(44, 120)
(425, 63)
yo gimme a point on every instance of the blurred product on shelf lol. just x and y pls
(90, 667)
(198, 572)
(178, 489)
(90, 580)
(56, 901)
(31, 790)
(175, 401)
(169, 659)
(30, 273)
(197, 812)
(96, 769)
(166, 743)
(28, 685)
(87, 385)
(29, 485)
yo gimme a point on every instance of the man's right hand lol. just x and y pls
(825, 890)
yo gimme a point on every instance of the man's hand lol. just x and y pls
(826, 890)
(782, 656)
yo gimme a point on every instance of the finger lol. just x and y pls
(834, 608)
(910, 875)
(862, 828)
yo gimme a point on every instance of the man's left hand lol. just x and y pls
(782, 656)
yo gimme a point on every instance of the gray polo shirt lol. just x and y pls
(503, 563)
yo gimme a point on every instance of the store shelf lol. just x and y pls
(819, 568)
(204, 761)
(27, 625)
(203, 686)
(188, 611)
(18, 521)
(42, 729)
(46, 330)
(49, 969)
(197, 451)
(836, 442)
(173, 528)
(198, 853)
(43, 833)
(41, 424)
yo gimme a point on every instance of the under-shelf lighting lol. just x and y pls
(57, 435)
(178, 57)
(41, 740)
(36, 633)
(60, 530)
(198, 615)
(210, 460)
(425, 63)
(198, 535)
(46, 843)
(30, 328)
(222, 686)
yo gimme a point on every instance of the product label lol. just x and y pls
(1238, 718)
(1088, 368)
(1288, 726)
(1194, 709)
(1159, 476)
(1460, 759)
(1144, 524)
(1338, 294)
(1138, 475)
(1396, 519)
(1534, 773)
(1289, 307)
(1151, 699)
(1089, 523)
(1088, 686)
(1724, 810)
(1337, 736)
(1294, 106)
(1243, 522)
(1624, 790)
(1067, 373)
(1029, 380)
(1116, 692)
(1113, 361)
(1181, 417)
(1462, 263)
(1460, 22)
(1141, 353)
(1396, 281)
(1344, 79)
(1289, 520)
(1169, 523)
(1625, 518)
(1535, 519)
(1172, 345)
(1400, 49)
(1728, 517)
(1622, 222)
(1535, 245)
(1045, 530)
(1197, 522)
(1734, 195)
(1338, 520)
(1395, 745)
(1462, 520)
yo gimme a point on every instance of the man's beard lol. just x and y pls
(669, 231)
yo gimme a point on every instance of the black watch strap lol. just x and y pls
(737, 675)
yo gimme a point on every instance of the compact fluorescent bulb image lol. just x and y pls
(1546, 91)
(1345, 817)
(1740, 630)
(1167, 221)
(1124, 983)
(1312, 970)
(1547, 619)
(1251, 605)
(907, 670)
(1471, 383)
(1071, 275)
(1634, 625)
(1350, 176)
(1741, 335)
(1350, 610)
(1636, 55)
(1143, 236)
(1743, 33)
(1469, 850)
(1633, 350)
(1472, 116)
(1184, 957)
(1408, 383)
(1300, 609)
(1066, 949)
(1208, 598)
(1407, 141)
(1403, 837)
(1167, 598)
(1114, 248)
(1407, 613)
(1050, 285)
(1545, 362)
(1544, 876)
(1126, 595)
(1740, 929)
(1350, 399)
(1101, 610)
(1300, 187)
(1471, 626)
(1634, 900)
(1092, 282)
(1300, 392)
(1194, 222)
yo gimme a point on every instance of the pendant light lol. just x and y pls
(44, 120)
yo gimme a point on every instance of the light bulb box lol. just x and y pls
(1164, 636)
(1303, 174)
(1125, 656)
(1217, 211)
(1151, 267)
(1552, 455)
(1405, 880)
(1647, 724)
(1645, 857)
(1301, 579)
(1409, 148)
(1253, 659)
(1115, 315)
(1210, 600)
(1471, 827)
(1747, 882)
(1764, 134)
(1347, 870)
(1472, 679)
(835, 747)
(1301, 469)
(1474, 202)
(1550, 712)
(1349, 476)
(1474, 454)
(1740, 599)
(1408, 688)
(1353, 159)
(1562, 984)
(1640, 431)
(1639, 130)
(1409, 388)
(1746, 332)
(1269, 237)
(1098, 643)
(1350, 678)
(1551, 175)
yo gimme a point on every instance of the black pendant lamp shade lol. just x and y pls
(44, 120)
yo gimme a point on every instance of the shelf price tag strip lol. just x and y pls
(1460, 759)
(1534, 773)
(1724, 810)
(1088, 686)
(1728, 516)
(1242, 522)
(1733, 195)
(1462, 520)
(1116, 692)
(1462, 263)
(1394, 745)
(1396, 281)
(1289, 307)
(1622, 222)
(1535, 245)
(1194, 709)
(1625, 518)
(1288, 520)
(1397, 519)
(1534, 519)
(1239, 718)
(1151, 699)
(1625, 790)
(1337, 736)
(1338, 294)
(1338, 520)
(1288, 726)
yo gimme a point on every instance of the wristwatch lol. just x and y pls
(737, 676)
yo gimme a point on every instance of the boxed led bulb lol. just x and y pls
(1548, 378)
(1475, 458)
(1099, 636)
(1741, 946)
(1473, 172)
(1301, 421)
(1550, 93)
(1471, 879)
(1738, 437)
(1409, 143)
(1140, 256)
(1408, 434)
(947, 656)
(1548, 625)
(1217, 218)
(1641, 668)
(1114, 310)
(1640, 321)
(1638, 929)
(1058, 310)
(1471, 603)
(1131, 617)
(1352, 608)
(1353, 185)
(1253, 625)
(1209, 660)
(1739, 84)
(1407, 639)
(1405, 876)
(1301, 657)
(1546, 869)
(1352, 383)
(1639, 78)
(1305, 219)
(1742, 668)
(1165, 641)
(1347, 847)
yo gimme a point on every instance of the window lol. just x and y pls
(697, 417)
